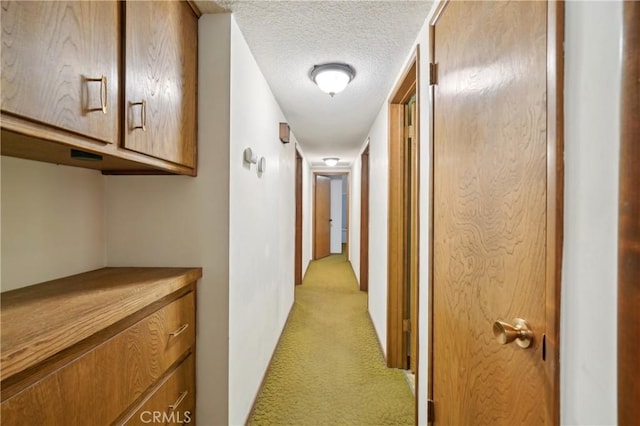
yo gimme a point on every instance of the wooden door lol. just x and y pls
(364, 220)
(490, 213)
(60, 62)
(322, 224)
(161, 45)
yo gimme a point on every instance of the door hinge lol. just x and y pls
(430, 411)
(406, 325)
(433, 74)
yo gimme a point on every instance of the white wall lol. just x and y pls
(589, 290)
(52, 221)
(184, 221)
(345, 208)
(378, 216)
(262, 230)
(336, 214)
(354, 214)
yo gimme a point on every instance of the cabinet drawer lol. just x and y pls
(97, 387)
(173, 402)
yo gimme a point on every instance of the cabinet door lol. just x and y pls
(161, 65)
(60, 65)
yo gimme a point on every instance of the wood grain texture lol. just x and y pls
(402, 281)
(438, 7)
(397, 252)
(406, 86)
(166, 394)
(55, 147)
(629, 223)
(490, 166)
(413, 230)
(49, 51)
(322, 216)
(96, 388)
(41, 320)
(555, 204)
(161, 40)
(364, 220)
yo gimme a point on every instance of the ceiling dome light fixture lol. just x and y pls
(331, 161)
(332, 78)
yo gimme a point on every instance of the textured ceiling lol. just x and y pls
(287, 38)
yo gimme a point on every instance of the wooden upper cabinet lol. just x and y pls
(64, 97)
(60, 62)
(160, 78)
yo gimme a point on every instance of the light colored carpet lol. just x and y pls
(328, 368)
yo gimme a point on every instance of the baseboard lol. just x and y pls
(353, 271)
(264, 376)
(306, 270)
(384, 355)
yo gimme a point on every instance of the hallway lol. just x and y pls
(328, 368)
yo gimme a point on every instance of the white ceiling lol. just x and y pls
(287, 38)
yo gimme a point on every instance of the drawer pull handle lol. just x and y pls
(103, 93)
(179, 331)
(143, 114)
(182, 396)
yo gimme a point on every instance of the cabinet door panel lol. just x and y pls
(161, 68)
(54, 57)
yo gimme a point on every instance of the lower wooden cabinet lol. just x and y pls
(136, 363)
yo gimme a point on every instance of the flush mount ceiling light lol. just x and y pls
(331, 161)
(332, 78)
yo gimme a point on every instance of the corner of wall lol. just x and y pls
(184, 221)
(52, 221)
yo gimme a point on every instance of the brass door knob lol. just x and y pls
(519, 331)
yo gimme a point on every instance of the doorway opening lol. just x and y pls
(364, 220)
(331, 214)
(403, 279)
(297, 273)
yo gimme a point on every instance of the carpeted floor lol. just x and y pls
(328, 368)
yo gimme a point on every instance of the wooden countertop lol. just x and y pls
(43, 319)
